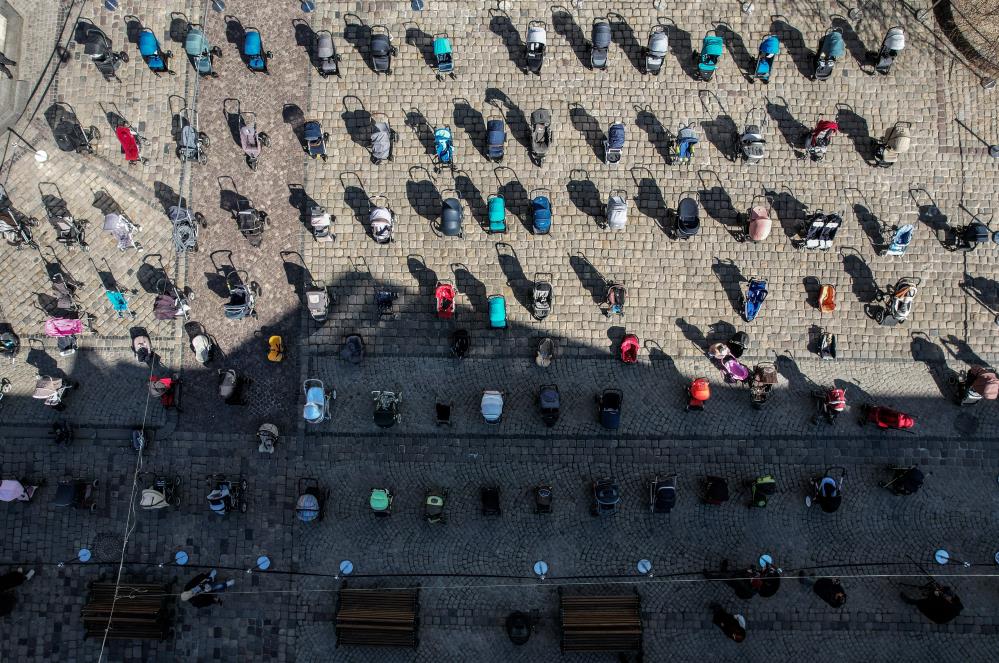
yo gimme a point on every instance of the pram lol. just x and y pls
(317, 401)
(497, 214)
(898, 301)
(451, 216)
(686, 140)
(200, 51)
(827, 298)
(497, 311)
(76, 493)
(382, 138)
(443, 149)
(443, 56)
(491, 406)
(541, 211)
(614, 302)
(98, 48)
(65, 331)
(170, 303)
(154, 57)
(600, 39)
(385, 302)
(311, 501)
(628, 351)
(901, 238)
(968, 237)
(752, 143)
(617, 210)
(162, 493)
(192, 143)
(758, 222)
(444, 299)
(761, 383)
(904, 481)
(123, 230)
(831, 49)
(353, 349)
(52, 391)
(325, 58)
(250, 140)
(201, 343)
(382, 49)
(609, 403)
(614, 144)
(542, 296)
(241, 299)
(70, 136)
(537, 44)
(166, 389)
(381, 220)
(707, 60)
(891, 46)
(662, 494)
(762, 489)
(655, 52)
(752, 301)
(142, 346)
(688, 215)
(828, 490)
(130, 144)
(315, 140)
(16, 229)
(733, 369)
(606, 497)
(550, 403)
(117, 299)
(819, 140)
(321, 223)
(886, 418)
(250, 221)
(819, 231)
(69, 230)
(226, 495)
(830, 402)
(896, 142)
(768, 52)
(185, 228)
(433, 505)
(317, 300)
(541, 135)
(380, 502)
(253, 51)
(545, 354)
(232, 386)
(387, 408)
(980, 383)
(267, 437)
(495, 138)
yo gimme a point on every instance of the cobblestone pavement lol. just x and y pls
(682, 297)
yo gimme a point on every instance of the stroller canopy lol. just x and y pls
(615, 136)
(195, 43)
(770, 45)
(496, 133)
(315, 404)
(549, 398)
(381, 140)
(541, 206)
(984, 381)
(353, 349)
(658, 44)
(497, 312)
(610, 409)
(755, 294)
(47, 387)
(833, 46)
(451, 215)
(537, 37)
(442, 53)
(492, 406)
(324, 45)
(901, 239)
(128, 143)
(601, 34)
(894, 40)
(617, 212)
(307, 507)
(688, 216)
(442, 144)
(149, 48)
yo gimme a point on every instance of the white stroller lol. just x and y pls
(321, 223)
(537, 43)
(381, 220)
(655, 52)
(617, 210)
(123, 231)
(317, 298)
(895, 143)
(51, 391)
(752, 142)
(492, 406)
(892, 45)
(381, 140)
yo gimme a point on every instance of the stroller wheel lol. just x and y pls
(242, 507)
(95, 483)
(93, 507)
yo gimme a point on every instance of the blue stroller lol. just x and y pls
(686, 139)
(443, 149)
(614, 143)
(769, 50)
(497, 214)
(495, 139)
(541, 209)
(710, 55)
(831, 49)
(497, 312)
(443, 55)
(149, 48)
(253, 51)
(900, 241)
(753, 300)
(315, 140)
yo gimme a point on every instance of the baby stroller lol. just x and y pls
(460, 343)
(387, 408)
(542, 296)
(980, 383)
(51, 391)
(253, 52)
(831, 49)
(98, 48)
(617, 210)
(317, 401)
(752, 301)
(752, 142)
(76, 494)
(491, 406)
(444, 298)
(495, 139)
(761, 383)
(614, 143)
(200, 341)
(828, 490)
(606, 497)
(758, 223)
(900, 240)
(353, 349)
(546, 353)
(433, 505)
(662, 494)
(232, 385)
(315, 140)
(614, 302)
(185, 228)
(609, 408)
(250, 221)
(904, 481)
(200, 51)
(819, 231)
(382, 138)
(321, 223)
(497, 214)
(655, 52)
(819, 140)
(380, 501)
(381, 220)
(688, 215)
(325, 58)
(16, 229)
(600, 39)
(443, 56)
(130, 142)
(317, 300)
(123, 230)
(451, 216)
(497, 312)
(541, 211)
(69, 231)
(166, 389)
(769, 50)
(251, 140)
(733, 369)
(70, 135)
(629, 349)
(896, 142)
(275, 348)
(226, 495)
(762, 489)
(443, 149)
(886, 418)
(829, 404)
(164, 492)
(891, 47)
(707, 60)
(549, 401)
(537, 44)
(192, 144)
(827, 298)
(151, 53)
(311, 501)
(967, 238)
(385, 302)
(541, 135)
(899, 301)
(241, 299)
(686, 139)
(382, 49)
(170, 303)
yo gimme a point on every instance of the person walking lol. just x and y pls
(4, 63)
(733, 626)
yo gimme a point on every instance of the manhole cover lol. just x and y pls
(107, 546)
(966, 424)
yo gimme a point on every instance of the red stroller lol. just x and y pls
(886, 418)
(167, 389)
(698, 394)
(829, 403)
(130, 141)
(444, 294)
(629, 349)
(820, 138)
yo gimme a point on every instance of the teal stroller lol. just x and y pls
(254, 54)
(443, 56)
(443, 149)
(497, 312)
(709, 57)
(769, 50)
(497, 214)
(200, 51)
(155, 57)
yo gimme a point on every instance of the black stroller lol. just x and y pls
(600, 43)
(98, 48)
(828, 490)
(76, 494)
(904, 480)
(241, 302)
(606, 497)
(69, 230)
(226, 495)
(232, 385)
(382, 49)
(688, 216)
(69, 134)
(662, 494)
(324, 55)
(460, 343)
(250, 221)
(387, 408)
(542, 296)
(549, 401)
(541, 135)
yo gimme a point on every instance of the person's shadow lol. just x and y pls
(960, 350)
(587, 126)
(983, 290)
(731, 279)
(565, 26)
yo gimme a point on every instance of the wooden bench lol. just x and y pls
(601, 623)
(374, 617)
(139, 614)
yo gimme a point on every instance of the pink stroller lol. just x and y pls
(66, 331)
(734, 370)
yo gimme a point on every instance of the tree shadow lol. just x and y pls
(693, 334)
(927, 352)
(588, 127)
(584, 195)
(862, 282)
(589, 277)
(731, 279)
(794, 43)
(565, 25)
(790, 129)
(624, 37)
(649, 197)
(423, 42)
(472, 122)
(473, 289)
(516, 199)
(853, 41)
(790, 211)
(717, 203)
(356, 198)
(517, 281)
(743, 59)
(423, 195)
(472, 196)
(416, 121)
(516, 121)
(356, 121)
(659, 135)
(501, 25)
(856, 127)
(682, 46)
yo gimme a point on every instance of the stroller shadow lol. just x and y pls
(165, 195)
(719, 332)
(471, 287)
(357, 122)
(931, 217)
(649, 197)
(659, 136)
(723, 133)
(521, 287)
(516, 121)
(133, 26)
(501, 26)
(296, 273)
(516, 197)
(424, 132)
(42, 361)
(853, 41)
(149, 275)
(584, 194)
(792, 39)
(718, 205)
(693, 334)
(230, 111)
(423, 195)
(305, 36)
(788, 369)
(589, 277)
(856, 127)
(356, 198)
(790, 211)
(587, 125)
(790, 129)
(867, 221)
(471, 121)
(862, 282)
(624, 37)
(293, 116)
(682, 47)
(105, 203)
(743, 59)
(426, 278)
(358, 35)
(303, 202)
(469, 193)
(926, 351)
(731, 279)
(423, 42)
(565, 26)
